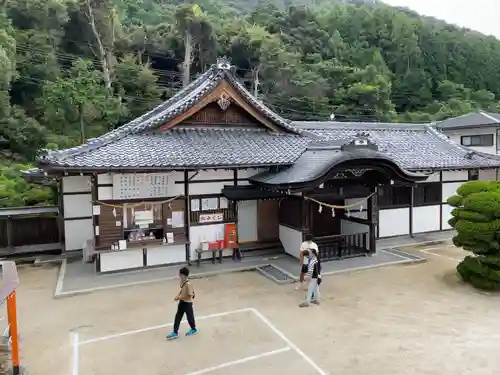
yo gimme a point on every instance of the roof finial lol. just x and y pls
(224, 63)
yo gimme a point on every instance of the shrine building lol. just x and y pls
(215, 167)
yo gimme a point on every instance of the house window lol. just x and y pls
(477, 140)
(394, 196)
(473, 174)
(428, 194)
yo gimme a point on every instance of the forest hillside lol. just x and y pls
(73, 69)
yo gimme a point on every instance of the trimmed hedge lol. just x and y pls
(476, 218)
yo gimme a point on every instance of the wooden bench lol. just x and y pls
(214, 255)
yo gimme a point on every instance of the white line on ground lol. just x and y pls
(240, 361)
(371, 266)
(127, 333)
(290, 344)
(439, 255)
(394, 254)
(59, 293)
(75, 353)
(60, 277)
(415, 243)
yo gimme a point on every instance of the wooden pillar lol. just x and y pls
(10, 234)
(95, 198)
(372, 216)
(60, 221)
(306, 217)
(236, 250)
(13, 332)
(441, 205)
(412, 205)
(187, 216)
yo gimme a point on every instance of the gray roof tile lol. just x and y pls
(176, 105)
(413, 146)
(470, 120)
(195, 147)
(316, 162)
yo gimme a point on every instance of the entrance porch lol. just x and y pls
(331, 193)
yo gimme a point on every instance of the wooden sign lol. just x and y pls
(211, 218)
(140, 185)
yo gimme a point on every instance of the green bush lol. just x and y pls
(476, 218)
(15, 191)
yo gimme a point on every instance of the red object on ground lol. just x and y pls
(214, 245)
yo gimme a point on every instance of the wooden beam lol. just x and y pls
(223, 88)
(187, 216)
(412, 206)
(10, 235)
(372, 215)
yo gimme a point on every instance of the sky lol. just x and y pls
(480, 15)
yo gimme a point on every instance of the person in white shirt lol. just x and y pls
(305, 252)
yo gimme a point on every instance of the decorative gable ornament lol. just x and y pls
(224, 102)
(224, 63)
(361, 140)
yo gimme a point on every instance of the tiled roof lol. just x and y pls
(470, 120)
(321, 157)
(413, 146)
(191, 147)
(175, 106)
(136, 145)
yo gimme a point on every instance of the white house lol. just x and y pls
(478, 130)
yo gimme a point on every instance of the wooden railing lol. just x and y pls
(29, 230)
(342, 246)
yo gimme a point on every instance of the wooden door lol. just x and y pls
(268, 220)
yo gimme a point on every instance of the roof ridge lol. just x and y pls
(130, 127)
(177, 104)
(488, 116)
(441, 135)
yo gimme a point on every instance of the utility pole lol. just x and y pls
(256, 84)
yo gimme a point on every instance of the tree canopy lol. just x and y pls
(74, 69)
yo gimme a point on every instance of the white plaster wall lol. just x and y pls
(121, 260)
(433, 177)
(105, 179)
(77, 233)
(166, 255)
(205, 233)
(487, 174)
(199, 188)
(247, 221)
(291, 239)
(394, 222)
(77, 184)
(105, 193)
(426, 219)
(455, 175)
(456, 134)
(449, 189)
(247, 173)
(78, 205)
(446, 216)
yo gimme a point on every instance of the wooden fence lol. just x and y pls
(30, 230)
